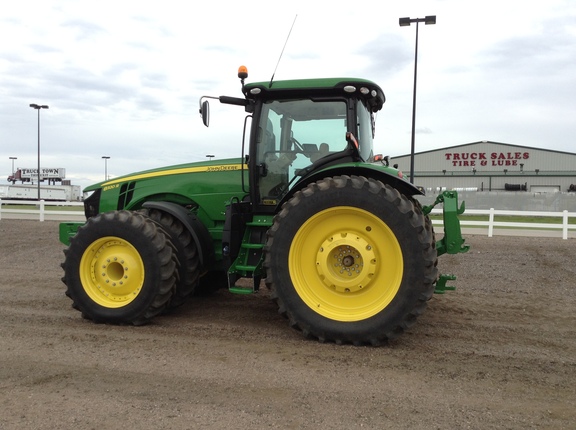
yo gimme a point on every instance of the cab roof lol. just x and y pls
(321, 87)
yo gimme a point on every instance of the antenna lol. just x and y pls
(288, 37)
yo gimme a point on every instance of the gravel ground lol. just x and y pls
(499, 352)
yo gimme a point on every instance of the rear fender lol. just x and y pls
(378, 174)
(199, 232)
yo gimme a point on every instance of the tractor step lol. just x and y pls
(249, 262)
(252, 245)
(241, 290)
(246, 268)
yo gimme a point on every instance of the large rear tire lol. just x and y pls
(120, 268)
(350, 260)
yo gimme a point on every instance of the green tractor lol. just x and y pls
(349, 254)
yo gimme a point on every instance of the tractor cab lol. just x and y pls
(302, 126)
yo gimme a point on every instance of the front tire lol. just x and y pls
(350, 260)
(186, 251)
(120, 268)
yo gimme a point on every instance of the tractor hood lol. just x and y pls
(206, 184)
(178, 169)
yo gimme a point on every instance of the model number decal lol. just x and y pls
(110, 187)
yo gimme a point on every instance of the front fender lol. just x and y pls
(199, 232)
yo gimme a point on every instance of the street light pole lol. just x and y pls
(38, 107)
(430, 19)
(13, 158)
(106, 158)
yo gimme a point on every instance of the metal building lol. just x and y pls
(492, 166)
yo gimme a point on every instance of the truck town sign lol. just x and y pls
(493, 159)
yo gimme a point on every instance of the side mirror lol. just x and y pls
(205, 112)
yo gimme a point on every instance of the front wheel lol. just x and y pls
(186, 251)
(351, 260)
(120, 268)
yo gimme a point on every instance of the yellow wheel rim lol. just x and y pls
(346, 264)
(112, 272)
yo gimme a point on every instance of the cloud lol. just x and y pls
(123, 79)
(83, 29)
(388, 54)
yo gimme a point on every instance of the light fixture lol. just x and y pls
(38, 108)
(404, 22)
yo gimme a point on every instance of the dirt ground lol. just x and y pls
(499, 352)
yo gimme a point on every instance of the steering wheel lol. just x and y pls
(297, 145)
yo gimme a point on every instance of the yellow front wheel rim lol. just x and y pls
(111, 272)
(346, 264)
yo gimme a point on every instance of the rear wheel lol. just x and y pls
(120, 268)
(351, 260)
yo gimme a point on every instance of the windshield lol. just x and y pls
(292, 135)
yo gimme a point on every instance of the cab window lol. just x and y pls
(292, 135)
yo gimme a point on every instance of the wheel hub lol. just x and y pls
(346, 262)
(114, 272)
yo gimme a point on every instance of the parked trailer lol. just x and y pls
(64, 193)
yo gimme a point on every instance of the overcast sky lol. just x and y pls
(123, 78)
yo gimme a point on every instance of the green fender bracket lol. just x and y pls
(67, 230)
(452, 242)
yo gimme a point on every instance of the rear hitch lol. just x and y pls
(441, 287)
(452, 242)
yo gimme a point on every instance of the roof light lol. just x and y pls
(349, 88)
(364, 90)
(373, 93)
(242, 72)
(255, 91)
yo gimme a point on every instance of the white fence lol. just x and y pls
(564, 216)
(42, 214)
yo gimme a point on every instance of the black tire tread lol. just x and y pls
(187, 252)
